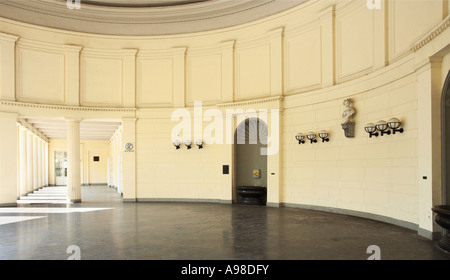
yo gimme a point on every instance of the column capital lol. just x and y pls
(129, 119)
(9, 115)
(276, 33)
(227, 45)
(24, 130)
(428, 63)
(8, 38)
(327, 12)
(73, 120)
(73, 48)
(21, 127)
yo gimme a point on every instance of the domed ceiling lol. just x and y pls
(141, 3)
(141, 17)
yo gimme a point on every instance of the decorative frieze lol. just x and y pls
(62, 107)
(251, 102)
(432, 34)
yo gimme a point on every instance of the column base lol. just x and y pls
(12, 204)
(75, 200)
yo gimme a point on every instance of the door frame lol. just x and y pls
(445, 136)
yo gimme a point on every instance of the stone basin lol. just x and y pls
(252, 195)
(442, 218)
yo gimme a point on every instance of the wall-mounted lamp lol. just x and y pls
(395, 125)
(188, 143)
(312, 137)
(324, 136)
(370, 128)
(199, 143)
(177, 144)
(382, 127)
(300, 138)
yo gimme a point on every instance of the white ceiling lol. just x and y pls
(90, 129)
(142, 17)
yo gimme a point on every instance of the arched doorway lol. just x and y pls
(250, 164)
(445, 134)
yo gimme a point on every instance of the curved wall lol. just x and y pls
(303, 62)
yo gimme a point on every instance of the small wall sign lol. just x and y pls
(129, 147)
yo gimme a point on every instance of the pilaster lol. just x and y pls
(8, 159)
(7, 67)
(429, 141)
(128, 149)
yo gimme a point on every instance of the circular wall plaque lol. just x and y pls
(129, 146)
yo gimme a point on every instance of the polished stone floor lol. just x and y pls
(104, 228)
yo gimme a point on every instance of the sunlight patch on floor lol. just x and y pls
(32, 210)
(15, 219)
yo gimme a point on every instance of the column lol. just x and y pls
(8, 159)
(18, 158)
(42, 163)
(29, 162)
(73, 160)
(23, 160)
(35, 162)
(114, 161)
(39, 162)
(118, 164)
(46, 164)
(129, 159)
(83, 174)
(429, 143)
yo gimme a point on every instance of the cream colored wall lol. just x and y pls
(164, 172)
(315, 55)
(88, 149)
(374, 175)
(308, 39)
(315, 45)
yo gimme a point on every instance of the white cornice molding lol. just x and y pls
(64, 107)
(251, 102)
(432, 34)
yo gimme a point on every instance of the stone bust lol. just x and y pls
(349, 112)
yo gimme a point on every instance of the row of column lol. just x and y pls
(115, 161)
(121, 169)
(32, 161)
(122, 160)
(24, 160)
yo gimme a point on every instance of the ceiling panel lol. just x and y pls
(90, 129)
